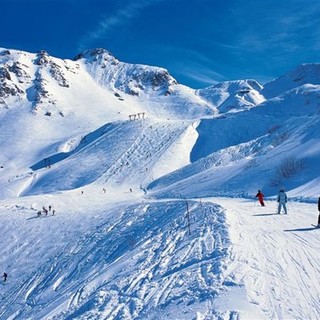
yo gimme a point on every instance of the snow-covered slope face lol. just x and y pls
(275, 144)
(127, 78)
(47, 102)
(70, 102)
(51, 86)
(157, 91)
(233, 96)
(304, 74)
(62, 113)
(54, 87)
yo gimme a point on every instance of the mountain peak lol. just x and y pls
(231, 96)
(307, 73)
(95, 54)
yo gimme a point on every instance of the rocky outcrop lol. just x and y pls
(8, 88)
(18, 70)
(99, 55)
(44, 60)
(133, 79)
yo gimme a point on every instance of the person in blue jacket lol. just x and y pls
(282, 200)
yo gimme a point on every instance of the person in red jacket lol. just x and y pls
(260, 196)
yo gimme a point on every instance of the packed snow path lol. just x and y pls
(276, 257)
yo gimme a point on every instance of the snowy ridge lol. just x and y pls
(128, 78)
(134, 166)
(230, 151)
(308, 73)
(233, 96)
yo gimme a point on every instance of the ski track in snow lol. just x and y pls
(276, 257)
(137, 260)
(111, 158)
(135, 264)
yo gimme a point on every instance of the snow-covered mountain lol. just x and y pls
(233, 96)
(132, 162)
(308, 73)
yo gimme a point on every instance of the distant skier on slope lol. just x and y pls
(45, 210)
(5, 276)
(282, 200)
(260, 196)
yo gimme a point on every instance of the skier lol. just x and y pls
(5, 276)
(319, 213)
(260, 196)
(45, 210)
(282, 200)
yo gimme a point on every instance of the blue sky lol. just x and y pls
(200, 42)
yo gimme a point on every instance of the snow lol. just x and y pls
(233, 96)
(131, 258)
(308, 73)
(155, 218)
(177, 156)
(276, 257)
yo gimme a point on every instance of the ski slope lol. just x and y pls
(155, 218)
(131, 258)
(276, 257)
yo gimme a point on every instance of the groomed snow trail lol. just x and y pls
(276, 257)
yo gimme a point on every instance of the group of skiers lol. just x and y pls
(282, 199)
(45, 211)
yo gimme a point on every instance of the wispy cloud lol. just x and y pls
(274, 26)
(193, 65)
(202, 75)
(111, 21)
